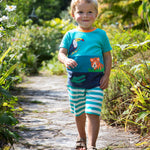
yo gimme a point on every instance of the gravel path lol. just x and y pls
(47, 124)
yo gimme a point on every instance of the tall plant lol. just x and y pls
(144, 13)
(7, 101)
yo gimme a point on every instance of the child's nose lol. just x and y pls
(85, 14)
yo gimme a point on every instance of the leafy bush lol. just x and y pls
(127, 98)
(134, 13)
(33, 44)
(126, 44)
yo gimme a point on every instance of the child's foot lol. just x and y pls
(92, 148)
(81, 144)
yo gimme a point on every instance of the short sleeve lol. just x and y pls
(65, 41)
(106, 44)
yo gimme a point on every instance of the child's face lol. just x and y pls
(85, 15)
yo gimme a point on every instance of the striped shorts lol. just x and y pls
(85, 100)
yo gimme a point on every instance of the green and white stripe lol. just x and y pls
(85, 100)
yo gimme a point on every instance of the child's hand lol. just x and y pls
(104, 82)
(70, 63)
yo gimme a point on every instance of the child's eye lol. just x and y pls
(80, 12)
(90, 12)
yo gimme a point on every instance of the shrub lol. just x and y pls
(127, 98)
(34, 44)
(127, 43)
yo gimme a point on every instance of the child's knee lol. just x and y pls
(93, 116)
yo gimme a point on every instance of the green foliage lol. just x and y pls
(49, 9)
(127, 43)
(45, 10)
(123, 12)
(127, 98)
(7, 123)
(7, 67)
(53, 66)
(34, 44)
(7, 109)
(139, 109)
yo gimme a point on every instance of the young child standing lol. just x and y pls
(85, 51)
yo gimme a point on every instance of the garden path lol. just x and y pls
(47, 124)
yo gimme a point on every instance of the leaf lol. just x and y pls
(8, 119)
(126, 112)
(136, 45)
(5, 92)
(10, 136)
(141, 144)
(148, 14)
(143, 108)
(145, 6)
(4, 55)
(7, 74)
(140, 11)
(136, 68)
(142, 115)
(130, 107)
(123, 46)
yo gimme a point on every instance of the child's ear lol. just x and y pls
(96, 15)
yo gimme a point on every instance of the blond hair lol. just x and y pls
(75, 2)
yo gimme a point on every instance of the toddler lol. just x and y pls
(85, 51)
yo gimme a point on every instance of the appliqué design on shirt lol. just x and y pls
(73, 47)
(78, 79)
(96, 65)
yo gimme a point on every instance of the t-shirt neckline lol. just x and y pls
(81, 30)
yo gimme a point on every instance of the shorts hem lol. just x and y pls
(91, 113)
(86, 113)
(77, 114)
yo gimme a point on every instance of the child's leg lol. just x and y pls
(94, 98)
(77, 103)
(93, 128)
(80, 123)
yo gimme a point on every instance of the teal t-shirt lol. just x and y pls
(86, 48)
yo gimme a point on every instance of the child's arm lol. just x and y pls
(107, 62)
(62, 57)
